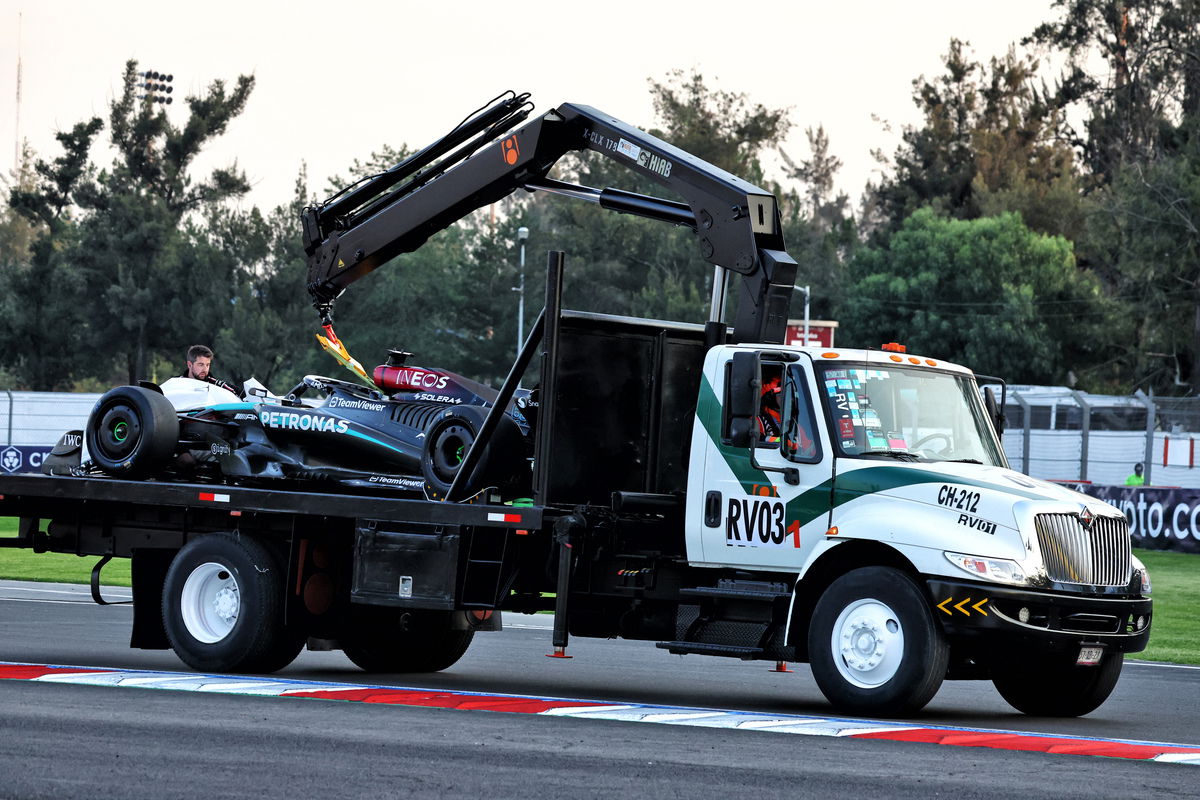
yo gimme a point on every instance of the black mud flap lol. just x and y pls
(149, 572)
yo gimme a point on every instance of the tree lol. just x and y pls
(991, 142)
(935, 163)
(132, 241)
(1134, 68)
(1151, 80)
(1149, 223)
(43, 293)
(986, 292)
(719, 126)
(18, 232)
(817, 222)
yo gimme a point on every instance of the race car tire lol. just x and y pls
(449, 437)
(874, 645)
(1044, 686)
(223, 606)
(387, 640)
(132, 432)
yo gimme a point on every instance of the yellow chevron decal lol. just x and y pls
(949, 601)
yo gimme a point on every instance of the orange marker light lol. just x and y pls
(897, 359)
(914, 360)
(895, 347)
(829, 355)
(832, 531)
(931, 362)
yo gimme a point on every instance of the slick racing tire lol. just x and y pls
(450, 436)
(386, 640)
(132, 432)
(874, 645)
(223, 606)
(1044, 686)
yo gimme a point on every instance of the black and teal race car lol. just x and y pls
(408, 433)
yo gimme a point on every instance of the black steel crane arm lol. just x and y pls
(736, 223)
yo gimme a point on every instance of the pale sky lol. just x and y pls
(336, 80)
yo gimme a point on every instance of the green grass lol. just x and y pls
(25, 565)
(1175, 635)
(1176, 576)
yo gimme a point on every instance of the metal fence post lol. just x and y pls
(1024, 404)
(1150, 421)
(1085, 430)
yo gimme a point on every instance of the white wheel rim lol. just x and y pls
(868, 643)
(210, 602)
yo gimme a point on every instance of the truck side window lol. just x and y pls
(800, 441)
(770, 407)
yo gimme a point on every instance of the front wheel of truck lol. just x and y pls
(1053, 686)
(874, 645)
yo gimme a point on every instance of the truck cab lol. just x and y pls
(808, 461)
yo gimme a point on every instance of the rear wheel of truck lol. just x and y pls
(223, 606)
(386, 640)
(874, 645)
(132, 432)
(1043, 686)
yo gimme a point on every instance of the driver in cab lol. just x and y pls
(770, 416)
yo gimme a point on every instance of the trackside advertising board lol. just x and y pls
(1159, 518)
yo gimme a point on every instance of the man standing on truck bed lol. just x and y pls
(199, 361)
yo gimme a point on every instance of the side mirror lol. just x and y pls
(743, 393)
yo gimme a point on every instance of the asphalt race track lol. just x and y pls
(72, 740)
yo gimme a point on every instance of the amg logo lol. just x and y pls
(655, 163)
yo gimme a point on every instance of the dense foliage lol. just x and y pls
(1043, 227)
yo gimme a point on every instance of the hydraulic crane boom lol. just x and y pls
(483, 160)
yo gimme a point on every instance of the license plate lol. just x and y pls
(1089, 655)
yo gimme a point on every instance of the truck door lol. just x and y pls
(763, 504)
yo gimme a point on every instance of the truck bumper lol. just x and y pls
(1008, 616)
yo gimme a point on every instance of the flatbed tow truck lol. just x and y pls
(869, 527)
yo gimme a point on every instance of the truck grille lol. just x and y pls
(1097, 555)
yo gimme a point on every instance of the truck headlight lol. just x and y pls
(1145, 573)
(993, 569)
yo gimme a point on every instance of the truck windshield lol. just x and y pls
(908, 414)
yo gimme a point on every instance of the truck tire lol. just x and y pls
(386, 640)
(874, 645)
(449, 437)
(1055, 687)
(223, 606)
(132, 432)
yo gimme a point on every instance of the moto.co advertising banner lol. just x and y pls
(1159, 519)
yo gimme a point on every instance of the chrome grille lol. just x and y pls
(1074, 554)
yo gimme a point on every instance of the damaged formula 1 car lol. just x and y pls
(407, 433)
